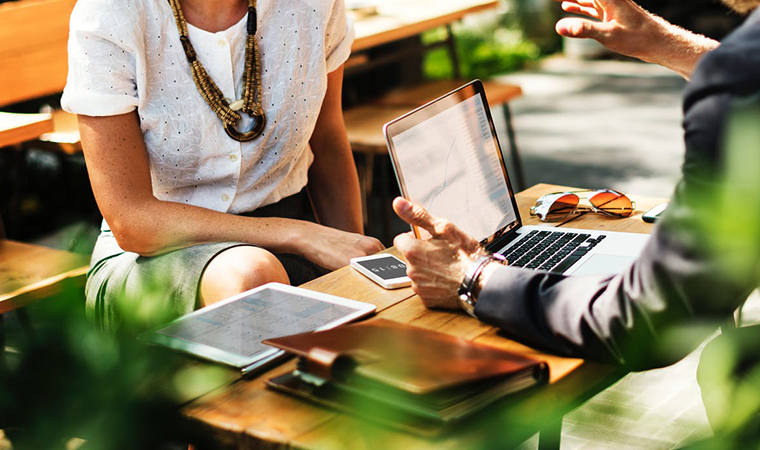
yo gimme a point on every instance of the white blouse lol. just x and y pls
(126, 55)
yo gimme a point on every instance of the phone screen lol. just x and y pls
(386, 268)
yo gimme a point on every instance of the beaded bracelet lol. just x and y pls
(467, 299)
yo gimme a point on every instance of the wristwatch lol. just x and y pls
(467, 297)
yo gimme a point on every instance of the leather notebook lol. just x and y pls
(403, 375)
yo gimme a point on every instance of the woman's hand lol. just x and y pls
(332, 248)
(436, 266)
(626, 28)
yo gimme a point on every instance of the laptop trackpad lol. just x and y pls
(604, 264)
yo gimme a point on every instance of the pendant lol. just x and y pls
(256, 129)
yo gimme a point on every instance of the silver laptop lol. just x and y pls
(447, 158)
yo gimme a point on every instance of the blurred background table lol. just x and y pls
(398, 19)
(246, 415)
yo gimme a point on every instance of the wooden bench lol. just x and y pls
(15, 129)
(34, 62)
(29, 273)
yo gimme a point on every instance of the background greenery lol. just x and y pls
(522, 32)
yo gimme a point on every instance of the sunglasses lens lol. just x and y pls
(561, 207)
(613, 203)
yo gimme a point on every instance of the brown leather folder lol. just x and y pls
(401, 374)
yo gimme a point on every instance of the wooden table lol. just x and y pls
(18, 128)
(30, 272)
(246, 415)
(398, 19)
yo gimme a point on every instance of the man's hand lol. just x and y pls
(621, 25)
(626, 28)
(437, 265)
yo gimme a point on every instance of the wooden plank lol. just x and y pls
(364, 126)
(19, 128)
(247, 415)
(399, 19)
(497, 93)
(33, 56)
(347, 282)
(31, 272)
(65, 134)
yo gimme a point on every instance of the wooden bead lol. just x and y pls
(210, 92)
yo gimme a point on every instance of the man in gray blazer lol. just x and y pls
(703, 259)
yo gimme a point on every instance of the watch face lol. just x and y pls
(386, 268)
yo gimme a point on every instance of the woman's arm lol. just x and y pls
(117, 164)
(333, 183)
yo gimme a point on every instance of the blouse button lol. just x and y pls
(225, 197)
(222, 43)
(233, 158)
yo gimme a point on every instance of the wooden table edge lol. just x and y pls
(412, 29)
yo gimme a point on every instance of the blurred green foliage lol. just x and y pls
(70, 379)
(498, 44)
(480, 56)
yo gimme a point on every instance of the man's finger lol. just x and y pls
(415, 215)
(575, 8)
(579, 28)
(403, 242)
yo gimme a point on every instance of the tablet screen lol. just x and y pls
(232, 331)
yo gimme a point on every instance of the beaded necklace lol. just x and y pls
(251, 101)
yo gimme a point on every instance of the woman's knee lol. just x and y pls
(237, 270)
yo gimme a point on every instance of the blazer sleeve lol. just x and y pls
(701, 262)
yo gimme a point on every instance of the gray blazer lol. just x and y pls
(702, 260)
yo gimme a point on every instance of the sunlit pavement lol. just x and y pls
(600, 124)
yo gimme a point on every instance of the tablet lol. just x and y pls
(230, 332)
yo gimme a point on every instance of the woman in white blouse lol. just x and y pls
(175, 190)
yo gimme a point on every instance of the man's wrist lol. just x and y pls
(678, 48)
(473, 283)
(482, 280)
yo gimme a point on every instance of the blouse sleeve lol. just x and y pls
(102, 48)
(339, 36)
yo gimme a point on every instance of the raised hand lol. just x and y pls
(620, 25)
(627, 28)
(437, 265)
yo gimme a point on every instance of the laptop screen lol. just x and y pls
(447, 159)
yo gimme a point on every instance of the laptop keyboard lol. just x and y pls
(550, 250)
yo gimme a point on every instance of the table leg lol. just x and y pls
(16, 177)
(26, 323)
(451, 44)
(2, 340)
(549, 437)
(517, 166)
(365, 184)
(385, 198)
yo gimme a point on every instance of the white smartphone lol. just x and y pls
(653, 214)
(384, 269)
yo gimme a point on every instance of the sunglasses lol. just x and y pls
(557, 206)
